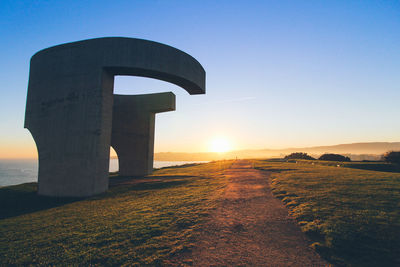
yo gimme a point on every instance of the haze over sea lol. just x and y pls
(18, 171)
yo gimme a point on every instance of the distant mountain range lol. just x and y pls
(356, 151)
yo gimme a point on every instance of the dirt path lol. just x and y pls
(250, 228)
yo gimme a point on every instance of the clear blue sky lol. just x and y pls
(279, 73)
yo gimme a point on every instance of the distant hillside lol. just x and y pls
(355, 148)
(356, 151)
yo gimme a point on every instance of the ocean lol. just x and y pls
(19, 171)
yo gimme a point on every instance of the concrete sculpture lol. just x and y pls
(132, 134)
(70, 103)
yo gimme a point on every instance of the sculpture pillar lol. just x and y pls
(133, 130)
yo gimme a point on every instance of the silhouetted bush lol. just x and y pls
(392, 157)
(334, 157)
(299, 155)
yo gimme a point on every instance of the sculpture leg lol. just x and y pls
(135, 146)
(72, 130)
(133, 130)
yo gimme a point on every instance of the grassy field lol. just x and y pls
(352, 214)
(139, 224)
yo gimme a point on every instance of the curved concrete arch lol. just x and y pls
(120, 56)
(70, 103)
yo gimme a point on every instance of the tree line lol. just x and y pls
(390, 157)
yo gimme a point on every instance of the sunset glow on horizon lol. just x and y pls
(220, 145)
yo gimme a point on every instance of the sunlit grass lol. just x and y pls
(129, 225)
(352, 215)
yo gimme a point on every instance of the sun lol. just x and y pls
(220, 145)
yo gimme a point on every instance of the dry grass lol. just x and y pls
(353, 215)
(139, 224)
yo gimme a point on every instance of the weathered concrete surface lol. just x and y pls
(70, 102)
(133, 130)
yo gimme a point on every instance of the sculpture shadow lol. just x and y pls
(146, 184)
(137, 180)
(23, 199)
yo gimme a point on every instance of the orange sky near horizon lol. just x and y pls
(18, 151)
(27, 150)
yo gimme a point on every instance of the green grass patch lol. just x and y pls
(353, 215)
(140, 224)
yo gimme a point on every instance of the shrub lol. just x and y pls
(392, 157)
(299, 155)
(334, 157)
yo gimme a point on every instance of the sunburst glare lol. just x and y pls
(220, 145)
